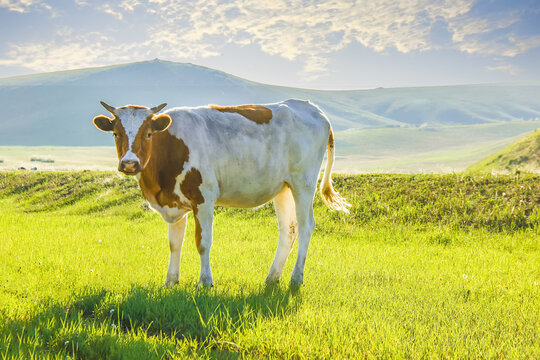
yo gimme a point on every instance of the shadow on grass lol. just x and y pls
(145, 323)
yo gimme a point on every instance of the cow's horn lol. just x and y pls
(110, 108)
(158, 108)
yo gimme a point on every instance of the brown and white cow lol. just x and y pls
(191, 159)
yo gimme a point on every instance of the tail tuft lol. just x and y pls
(330, 197)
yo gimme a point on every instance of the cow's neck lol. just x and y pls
(168, 156)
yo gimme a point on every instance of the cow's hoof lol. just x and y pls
(271, 281)
(170, 283)
(295, 285)
(205, 285)
(206, 282)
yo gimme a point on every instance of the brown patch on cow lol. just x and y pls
(120, 138)
(256, 113)
(293, 231)
(168, 154)
(331, 140)
(190, 187)
(198, 230)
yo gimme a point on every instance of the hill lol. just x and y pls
(523, 155)
(56, 108)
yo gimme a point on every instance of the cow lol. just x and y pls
(190, 159)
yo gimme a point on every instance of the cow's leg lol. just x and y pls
(203, 239)
(176, 239)
(303, 196)
(288, 229)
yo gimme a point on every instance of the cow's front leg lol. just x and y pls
(203, 238)
(176, 239)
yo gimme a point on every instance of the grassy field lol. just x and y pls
(425, 266)
(59, 157)
(442, 149)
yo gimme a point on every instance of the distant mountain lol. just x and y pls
(523, 155)
(57, 108)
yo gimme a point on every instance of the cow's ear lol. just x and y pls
(161, 122)
(103, 123)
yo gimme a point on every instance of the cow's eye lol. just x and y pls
(115, 135)
(149, 135)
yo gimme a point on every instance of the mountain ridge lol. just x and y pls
(157, 60)
(57, 108)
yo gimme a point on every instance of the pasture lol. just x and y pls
(425, 266)
(427, 149)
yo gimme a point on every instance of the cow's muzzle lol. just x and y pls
(129, 167)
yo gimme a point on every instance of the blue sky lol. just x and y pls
(336, 44)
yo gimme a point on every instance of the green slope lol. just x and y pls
(523, 155)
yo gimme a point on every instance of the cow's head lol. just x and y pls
(133, 127)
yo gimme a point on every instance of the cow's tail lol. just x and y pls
(331, 198)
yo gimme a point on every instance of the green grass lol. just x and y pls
(426, 266)
(522, 155)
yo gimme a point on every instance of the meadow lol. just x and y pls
(411, 149)
(425, 266)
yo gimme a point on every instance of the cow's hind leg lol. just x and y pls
(176, 239)
(288, 229)
(304, 193)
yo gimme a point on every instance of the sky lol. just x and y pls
(335, 44)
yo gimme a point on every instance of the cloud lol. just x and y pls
(505, 68)
(307, 32)
(24, 6)
(86, 51)
(129, 5)
(109, 9)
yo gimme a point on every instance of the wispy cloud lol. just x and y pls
(23, 6)
(129, 5)
(505, 68)
(86, 51)
(308, 32)
(109, 9)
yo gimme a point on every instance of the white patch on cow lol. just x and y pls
(129, 156)
(132, 119)
(169, 214)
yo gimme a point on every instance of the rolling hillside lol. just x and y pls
(56, 108)
(523, 155)
(442, 128)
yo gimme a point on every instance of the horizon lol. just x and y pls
(323, 46)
